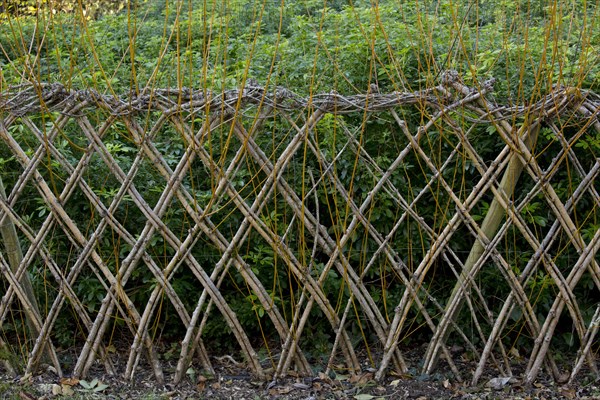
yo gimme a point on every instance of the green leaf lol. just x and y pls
(85, 384)
(100, 387)
(364, 396)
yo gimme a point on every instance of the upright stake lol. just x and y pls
(489, 227)
(15, 256)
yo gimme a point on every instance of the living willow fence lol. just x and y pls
(359, 224)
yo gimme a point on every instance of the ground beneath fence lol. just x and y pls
(232, 382)
(48, 386)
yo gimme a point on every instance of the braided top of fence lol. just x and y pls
(430, 200)
(37, 97)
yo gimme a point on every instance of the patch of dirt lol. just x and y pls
(231, 381)
(244, 388)
(241, 387)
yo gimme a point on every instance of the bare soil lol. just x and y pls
(233, 382)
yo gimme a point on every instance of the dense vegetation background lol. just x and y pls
(311, 46)
(528, 46)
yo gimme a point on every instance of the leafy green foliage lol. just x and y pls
(88, 8)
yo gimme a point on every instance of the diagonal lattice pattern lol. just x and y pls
(376, 220)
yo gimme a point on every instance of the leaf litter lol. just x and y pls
(238, 384)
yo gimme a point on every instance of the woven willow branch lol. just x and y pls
(307, 248)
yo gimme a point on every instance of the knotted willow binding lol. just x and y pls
(176, 167)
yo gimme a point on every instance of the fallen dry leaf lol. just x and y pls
(563, 378)
(69, 381)
(361, 379)
(301, 386)
(280, 390)
(515, 353)
(498, 383)
(67, 390)
(26, 396)
(323, 376)
(56, 390)
(568, 393)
